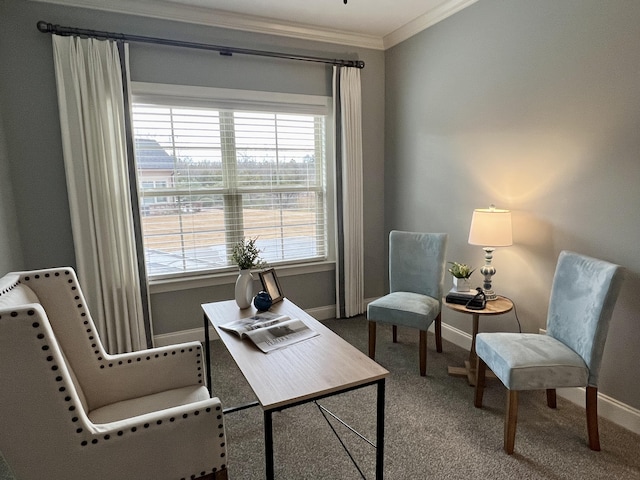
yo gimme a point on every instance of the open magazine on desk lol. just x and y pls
(270, 331)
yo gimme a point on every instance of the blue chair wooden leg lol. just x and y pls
(592, 418)
(510, 421)
(372, 340)
(438, 327)
(423, 353)
(481, 372)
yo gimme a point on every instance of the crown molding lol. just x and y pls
(425, 21)
(218, 18)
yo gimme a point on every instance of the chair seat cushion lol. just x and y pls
(404, 308)
(527, 361)
(150, 403)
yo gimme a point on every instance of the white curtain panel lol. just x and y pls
(92, 118)
(350, 250)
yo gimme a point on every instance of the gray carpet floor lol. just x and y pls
(432, 429)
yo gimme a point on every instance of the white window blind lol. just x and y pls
(209, 177)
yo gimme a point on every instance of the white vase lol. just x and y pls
(461, 284)
(244, 289)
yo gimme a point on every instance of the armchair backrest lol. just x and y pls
(59, 294)
(416, 262)
(583, 295)
(34, 375)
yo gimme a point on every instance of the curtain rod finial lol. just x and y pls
(43, 26)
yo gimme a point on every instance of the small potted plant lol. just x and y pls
(461, 273)
(246, 255)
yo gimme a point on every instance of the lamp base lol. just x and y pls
(489, 295)
(488, 271)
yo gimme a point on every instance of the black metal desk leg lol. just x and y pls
(268, 445)
(207, 350)
(380, 431)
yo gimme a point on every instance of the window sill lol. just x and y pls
(201, 281)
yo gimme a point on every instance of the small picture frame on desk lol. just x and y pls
(270, 285)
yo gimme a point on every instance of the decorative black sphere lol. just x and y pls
(262, 301)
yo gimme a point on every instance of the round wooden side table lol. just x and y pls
(493, 307)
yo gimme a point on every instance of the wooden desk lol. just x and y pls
(493, 307)
(319, 367)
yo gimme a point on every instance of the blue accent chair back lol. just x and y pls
(416, 262)
(583, 296)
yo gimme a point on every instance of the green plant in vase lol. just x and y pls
(461, 273)
(246, 255)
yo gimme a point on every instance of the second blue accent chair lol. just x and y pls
(583, 294)
(416, 271)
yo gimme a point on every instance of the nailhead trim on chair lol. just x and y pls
(135, 428)
(157, 355)
(92, 339)
(9, 288)
(202, 474)
(54, 367)
(67, 398)
(83, 312)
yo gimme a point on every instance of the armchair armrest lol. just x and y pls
(145, 372)
(185, 441)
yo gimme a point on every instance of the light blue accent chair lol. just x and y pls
(583, 295)
(416, 271)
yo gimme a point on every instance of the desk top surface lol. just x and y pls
(309, 369)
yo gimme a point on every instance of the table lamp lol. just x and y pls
(490, 227)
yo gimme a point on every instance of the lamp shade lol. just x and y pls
(491, 227)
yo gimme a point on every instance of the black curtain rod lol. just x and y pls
(45, 27)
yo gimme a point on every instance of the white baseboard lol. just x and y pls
(608, 407)
(323, 313)
(455, 336)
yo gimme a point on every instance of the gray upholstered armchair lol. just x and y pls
(583, 295)
(69, 410)
(416, 271)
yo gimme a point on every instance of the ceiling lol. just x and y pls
(377, 24)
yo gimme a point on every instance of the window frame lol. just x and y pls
(222, 98)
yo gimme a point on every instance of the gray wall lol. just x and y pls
(34, 152)
(533, 106)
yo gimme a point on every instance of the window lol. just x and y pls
(215, 166)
